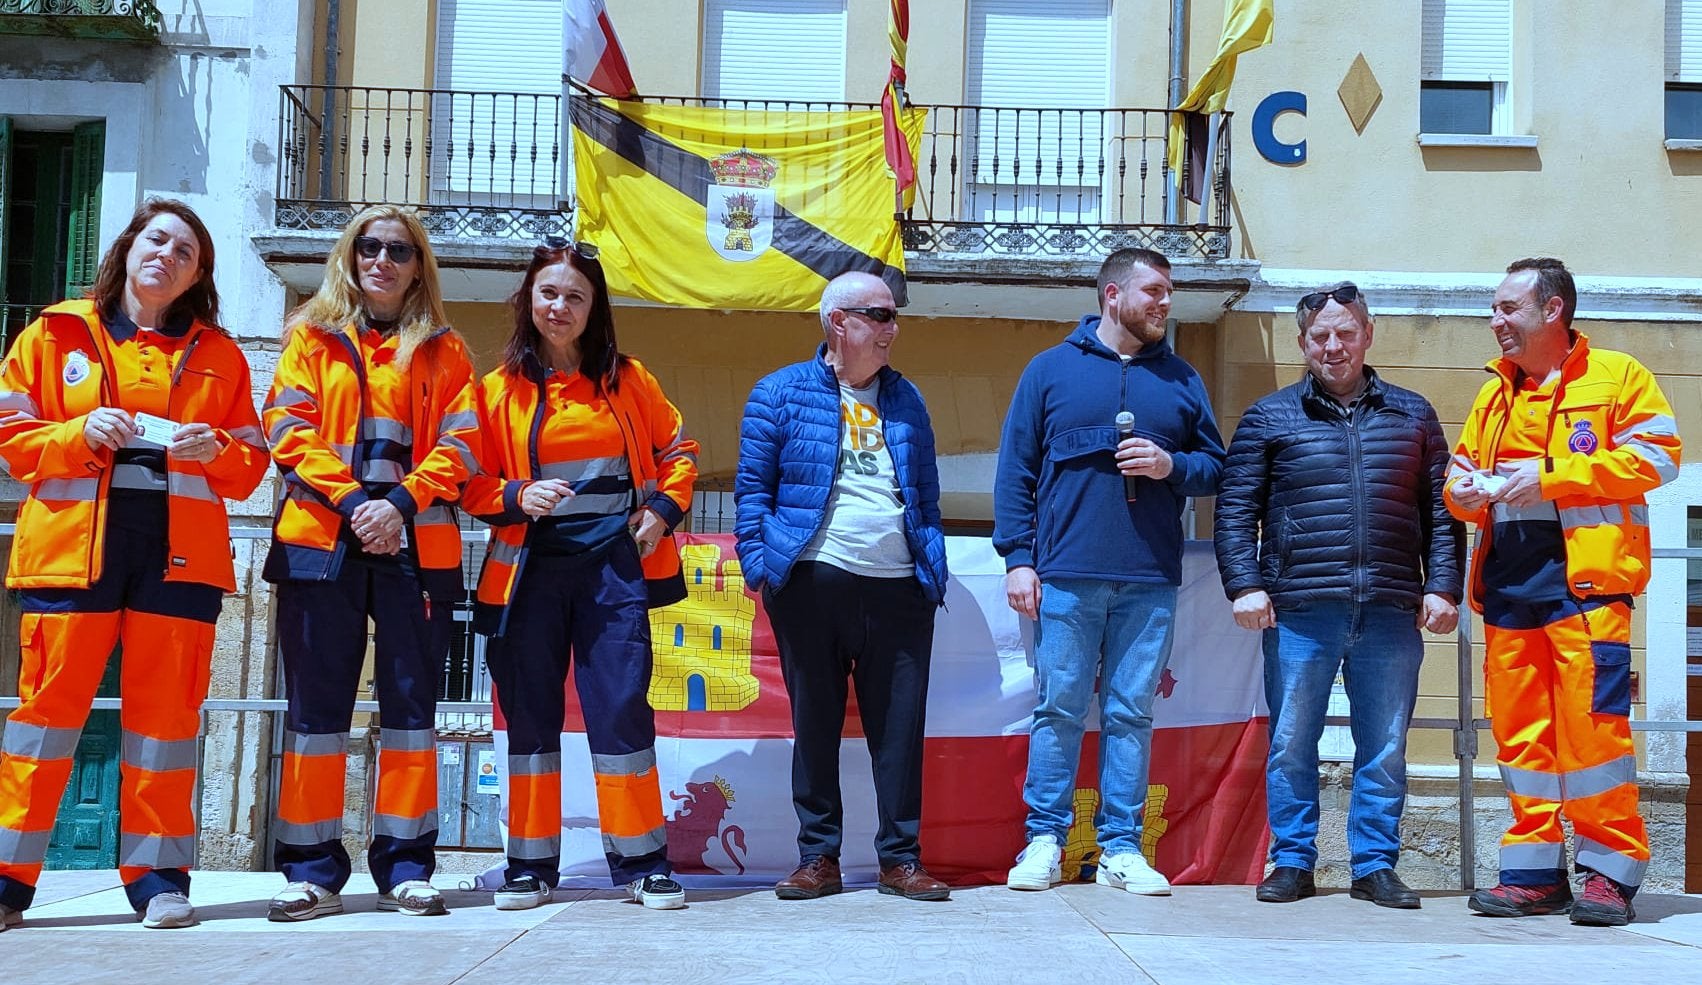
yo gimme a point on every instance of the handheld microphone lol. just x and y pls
(1125, 431)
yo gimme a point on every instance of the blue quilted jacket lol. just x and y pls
(789, 445)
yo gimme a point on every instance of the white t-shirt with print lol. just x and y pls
(863, 532)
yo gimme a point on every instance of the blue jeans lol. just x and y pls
(1118, 634)
(1378, 649)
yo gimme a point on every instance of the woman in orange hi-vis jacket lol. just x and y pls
(372, 425)
(129, 415)
(585, 471)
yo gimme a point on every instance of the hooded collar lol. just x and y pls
(1086, 338)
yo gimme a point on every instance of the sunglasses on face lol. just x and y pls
(584, 250)
(880, 315)
(1342, 295)
(370, 247)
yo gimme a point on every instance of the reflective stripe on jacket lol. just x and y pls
(313, 418)
(1611, 439)
(57, 372)
(662, 457)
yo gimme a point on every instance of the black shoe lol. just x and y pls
(1286, 884)
(1385, 888)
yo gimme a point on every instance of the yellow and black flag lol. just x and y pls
(736, 208)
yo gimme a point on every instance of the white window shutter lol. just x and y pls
(1049, 56)
(792, 50)
(1467, 41)
(493, 137)
(1684, 40)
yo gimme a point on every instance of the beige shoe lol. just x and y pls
(416, 898)
(10, 918)
(167, 911)
(303, 901)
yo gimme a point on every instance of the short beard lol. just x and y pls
(1142, 330)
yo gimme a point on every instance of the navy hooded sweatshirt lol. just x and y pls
(1058, 501)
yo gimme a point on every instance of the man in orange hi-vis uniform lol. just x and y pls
(1553, 463)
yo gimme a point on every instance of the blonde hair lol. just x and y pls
(340, 299)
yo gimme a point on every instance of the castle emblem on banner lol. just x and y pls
(740, 204)
(703, 645)
(1081, 850)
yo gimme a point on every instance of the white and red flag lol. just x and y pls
(594, 54)
(724, 746)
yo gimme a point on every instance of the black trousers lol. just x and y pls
(832, 625)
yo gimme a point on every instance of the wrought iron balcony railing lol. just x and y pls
(13, 319)
(121, 20)
(992, 182)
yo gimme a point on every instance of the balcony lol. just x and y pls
(1008, 195)
(108, 20)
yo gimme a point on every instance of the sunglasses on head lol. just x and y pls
(881, 315)
(370, 247)
(584, 250)
(1315, 301)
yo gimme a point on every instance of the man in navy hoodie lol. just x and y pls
(1096, 557)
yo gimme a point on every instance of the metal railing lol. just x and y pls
(13, 318)
(133, 19)
(1013, 182)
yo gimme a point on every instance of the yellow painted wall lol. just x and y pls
(1599, 189)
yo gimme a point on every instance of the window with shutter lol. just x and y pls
(82, 247)
(1465, 65)
(1684, 70)
(792, 50)
(496, 136)
(1031, 158)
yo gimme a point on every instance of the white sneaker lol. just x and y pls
(1128, 871)
(658, 892)
(416, 898)
(1037, 866)
(303, 901)
(523, 893)
(167, 911)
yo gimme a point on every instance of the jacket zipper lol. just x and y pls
(1353, 453)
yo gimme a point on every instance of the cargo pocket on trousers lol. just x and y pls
(1612, 692)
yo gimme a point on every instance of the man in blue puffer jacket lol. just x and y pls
(838, 503)
(1089, 523)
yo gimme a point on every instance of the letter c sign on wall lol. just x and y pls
(1264, 128)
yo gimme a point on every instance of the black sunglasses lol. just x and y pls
(881, 315)
(584, 250)
(370, 247)
(1315, 301)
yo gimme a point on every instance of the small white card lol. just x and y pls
(1490, 482)
(156, 430)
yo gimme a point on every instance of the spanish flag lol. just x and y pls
(736, 208)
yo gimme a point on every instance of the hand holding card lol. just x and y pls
(155, 430)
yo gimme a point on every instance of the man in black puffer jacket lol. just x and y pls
(1332, 538)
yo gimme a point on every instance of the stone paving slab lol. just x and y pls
(1077, 933)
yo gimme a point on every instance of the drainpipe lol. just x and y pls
(1178, 44)
(328, 104)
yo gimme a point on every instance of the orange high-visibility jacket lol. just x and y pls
(313, 415)
(1611, 439)
(58, 371)
(662, 458)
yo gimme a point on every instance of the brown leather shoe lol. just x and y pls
(817, 877)
(911, 881)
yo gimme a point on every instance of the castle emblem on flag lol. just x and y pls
(702, 645)
(740, 204)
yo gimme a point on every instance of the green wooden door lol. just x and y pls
(86, 834)
(82, 248)
(5, 198)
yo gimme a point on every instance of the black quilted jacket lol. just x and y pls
(1320, 505)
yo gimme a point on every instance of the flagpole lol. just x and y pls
(1178, 40)
(565, 168)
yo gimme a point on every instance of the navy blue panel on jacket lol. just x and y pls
(789, 445)
(1320, 506)
(1058, 502)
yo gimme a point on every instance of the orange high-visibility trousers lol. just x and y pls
(162, 685)
(1559, 702)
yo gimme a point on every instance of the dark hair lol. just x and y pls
(1553, 281)
(599, 359)
(201, 301)
(1117, 266)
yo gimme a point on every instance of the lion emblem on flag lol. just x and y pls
(740, 204)
(699, 823)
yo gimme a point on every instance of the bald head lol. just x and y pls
(853, 290)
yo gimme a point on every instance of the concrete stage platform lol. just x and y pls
(81, 931)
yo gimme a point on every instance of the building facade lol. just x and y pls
(1413, 147)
